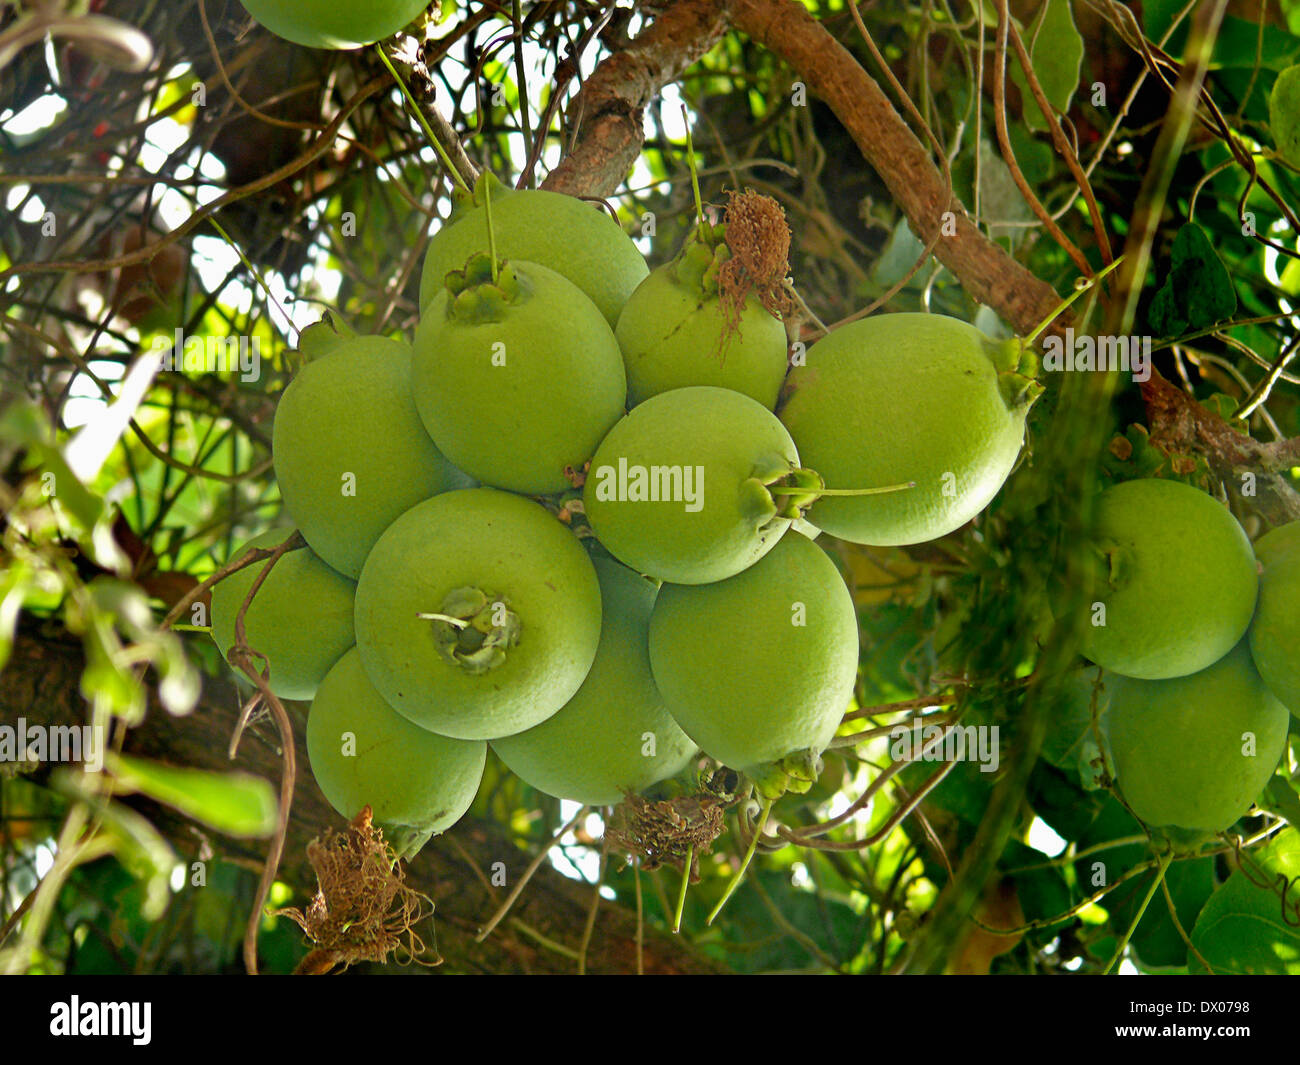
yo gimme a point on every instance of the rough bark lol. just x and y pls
(40, 683)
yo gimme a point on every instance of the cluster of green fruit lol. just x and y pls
(501, 551)
(1198, 653)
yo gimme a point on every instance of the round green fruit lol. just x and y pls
(351, 453)
(761, 666)
(478, 614)
(908, 397)
(1284, 114)
(1275, 628)
(1278, 543)
(1193, 752)
(364, 753)
(679, 489)
(1157, 610)
(615, 735)
(330, 24)
(300, 618)
(674, 333)
(563, 233)
(516, 379)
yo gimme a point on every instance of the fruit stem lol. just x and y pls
(1165, 859)
(1080, 287)
(458, 622)
(705, 230)
(744, 865)
(452, 172)
(681, 894)
(861, 491)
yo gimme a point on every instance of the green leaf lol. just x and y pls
(1056, 53)
(1249, 928)
(1197, 292)
(238, 804)
(1281, 799)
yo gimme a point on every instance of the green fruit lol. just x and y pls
(351, 453)
(330, 24)
(301, 617)
(526, 602)
(516, 380)
(1194, 752)
(1284, 114)
(907, 397)
(615, 735)
(673, 332)
(363, 752)
(760, 666)
(1168, 612)
(679, 488)
(1275, 629)
(563, 233)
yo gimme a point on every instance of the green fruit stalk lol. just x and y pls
(679, 489)
(517, 377)
(563, 233)
(330, 24)
(351, 453)
(1168, 612)
(363, 753)
(759, 669)
(300, 619)
(901, 398)
(615, 735)
(1194, 752)
(478, 614)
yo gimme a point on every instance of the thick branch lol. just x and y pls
(40, 684)
(608, 112)
(831, 72)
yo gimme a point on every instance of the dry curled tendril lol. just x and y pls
(363, 909)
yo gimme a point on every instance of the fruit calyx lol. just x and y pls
(793, 774)
(472, 629)
(1017, 364)
(476, 296)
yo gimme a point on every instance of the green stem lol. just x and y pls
(1080, 287)
(701, 224)
(818, 492)
(458, 622)
(452, 172)
(681, 895)
(744, 865)
(1165, 859)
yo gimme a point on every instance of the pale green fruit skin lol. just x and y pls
(331, 24)
(560, 390)
(592, 750)
(671, 338)
(352, 412)
(1284, 114)
(896, 398)
(410, 778)
(729, 436)
(744, 682)
(1177, 744)
(560, 232)
(1275, 629)
(301, 617)
(1168, 611)
(505, 545)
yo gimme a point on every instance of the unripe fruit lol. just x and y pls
(1284, 114)
(908, 397)
(516, 379)
(615, 735)
(566, 234)
(760, 666)
(1275, 629)
(301, 617)
(1193, 752)
(515, 608)
(674, 331)
(1168, 612)
(330, 24)
(351, 453)
(679, 488)
(363, 752)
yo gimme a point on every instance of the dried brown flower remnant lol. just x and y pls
(662, 832)
(758, 239)
(363, 910)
